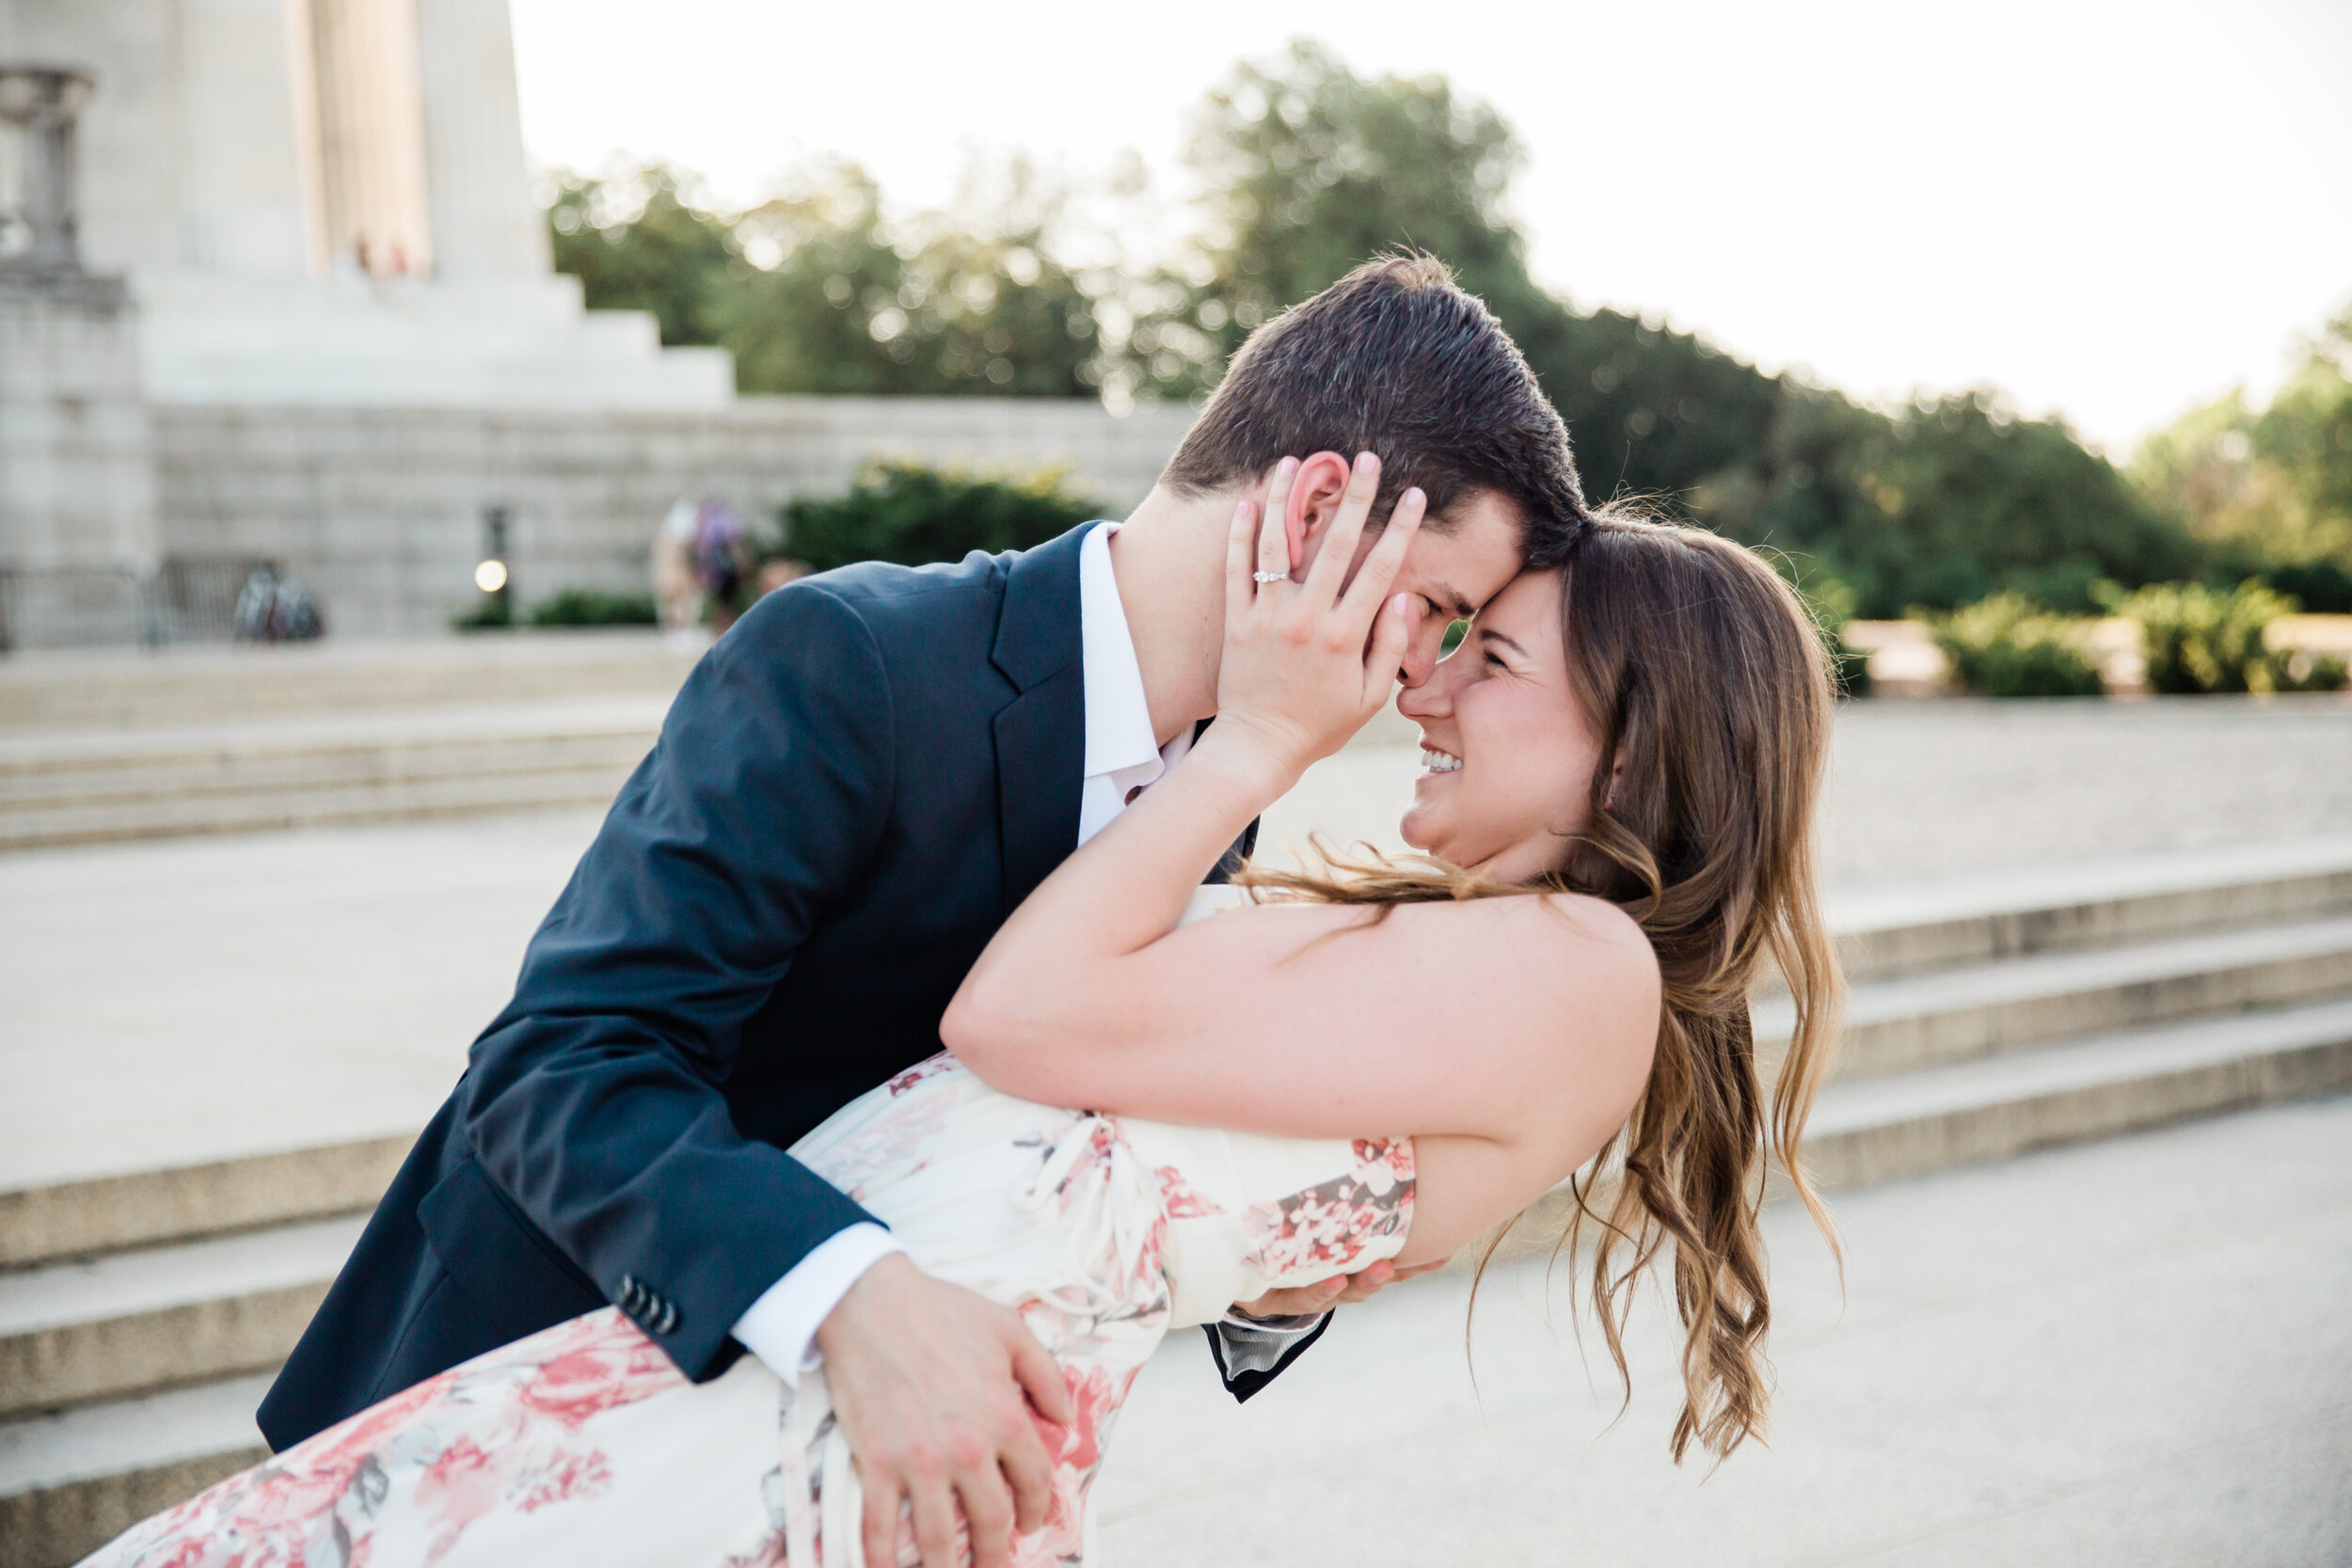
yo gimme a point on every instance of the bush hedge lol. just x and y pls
(588, 606)
(2009, 646)
(2198, 639)
(911, 513)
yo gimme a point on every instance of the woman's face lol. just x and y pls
(1508, 756)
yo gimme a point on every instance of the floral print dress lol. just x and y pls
(583, 1445)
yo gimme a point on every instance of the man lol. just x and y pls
(851, 792)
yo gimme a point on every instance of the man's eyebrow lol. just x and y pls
(1450, 599)
(1490, 635)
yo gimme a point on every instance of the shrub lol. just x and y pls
(588, 606)
(2200, 639)
(2307, 671)
(910, 512)
(2009, 646)
(491, 614)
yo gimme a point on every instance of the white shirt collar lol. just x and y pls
(1121, 761)
(1119, 721)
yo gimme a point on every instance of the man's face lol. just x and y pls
(1453, 571)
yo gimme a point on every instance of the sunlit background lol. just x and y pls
(2111, 212)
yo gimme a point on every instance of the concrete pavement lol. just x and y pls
(2132, 1354)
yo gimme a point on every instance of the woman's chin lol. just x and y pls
(1418, 831)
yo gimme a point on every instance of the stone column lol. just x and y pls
(486, 227)
(371, 124)
(41, 102)
(78, 537)
(241, 196)
(131, 141)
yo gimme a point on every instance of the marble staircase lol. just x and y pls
(140, 1313)
(109, 749)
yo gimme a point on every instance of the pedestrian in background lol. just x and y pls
(723, 562)
(677, 584)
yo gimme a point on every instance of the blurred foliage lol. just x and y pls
(649, 243)
(1953, 499)
(491, 613)
(1309, 169)
(814, 292)
(1306, 169)
(2009, 646)
(911, 513)
(590, 607)
(2270, 491)
(2200, 639)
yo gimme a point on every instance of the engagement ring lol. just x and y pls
(1269, 577)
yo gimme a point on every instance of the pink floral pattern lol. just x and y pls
(503, 1431)
(590, 1415)
(1180, 1200)
(1326, 1228)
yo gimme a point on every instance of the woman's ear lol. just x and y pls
(1314, 504)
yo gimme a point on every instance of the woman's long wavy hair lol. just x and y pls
(1709, 687)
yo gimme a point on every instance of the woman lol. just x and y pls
(1381, 1062)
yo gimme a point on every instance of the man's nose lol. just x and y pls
(1421, 657)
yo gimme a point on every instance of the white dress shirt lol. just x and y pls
(1123, 759)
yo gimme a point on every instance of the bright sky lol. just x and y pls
(2112, 210)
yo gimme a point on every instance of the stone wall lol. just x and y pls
(76, 487)
(379, 509)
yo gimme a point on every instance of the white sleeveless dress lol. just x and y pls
(583, 1445)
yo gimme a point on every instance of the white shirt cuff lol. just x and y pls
(780, 1327)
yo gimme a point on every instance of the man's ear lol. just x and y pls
(1315, 502)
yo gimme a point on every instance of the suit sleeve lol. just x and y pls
(592, 1101)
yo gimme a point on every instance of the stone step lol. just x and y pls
(1925, 1021)
(72, 1220)
(260, 779)
(1949, 922)
(122, 689)
(96, 786)
(1889, 1128)
(71, 1480)
(416, 801)
(130, 1323)
(226, 776)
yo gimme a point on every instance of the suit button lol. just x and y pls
(666, 1319)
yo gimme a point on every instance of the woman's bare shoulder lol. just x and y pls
(1550, 950)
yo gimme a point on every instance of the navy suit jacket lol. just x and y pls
(852, 791)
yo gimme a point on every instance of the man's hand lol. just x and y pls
(1308, 1301)
(927, 1379)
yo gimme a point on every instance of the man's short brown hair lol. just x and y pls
(1396, 359)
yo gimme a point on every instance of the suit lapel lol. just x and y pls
(1040, 736)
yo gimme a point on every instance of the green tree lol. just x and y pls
(815, 291)
(642, 241)
(1957, 498)
(1309, 169)
(910, 512)
(2268, 490)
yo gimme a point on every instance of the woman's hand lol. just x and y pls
(1307, 663)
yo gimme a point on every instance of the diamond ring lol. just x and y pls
(1269, 577)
